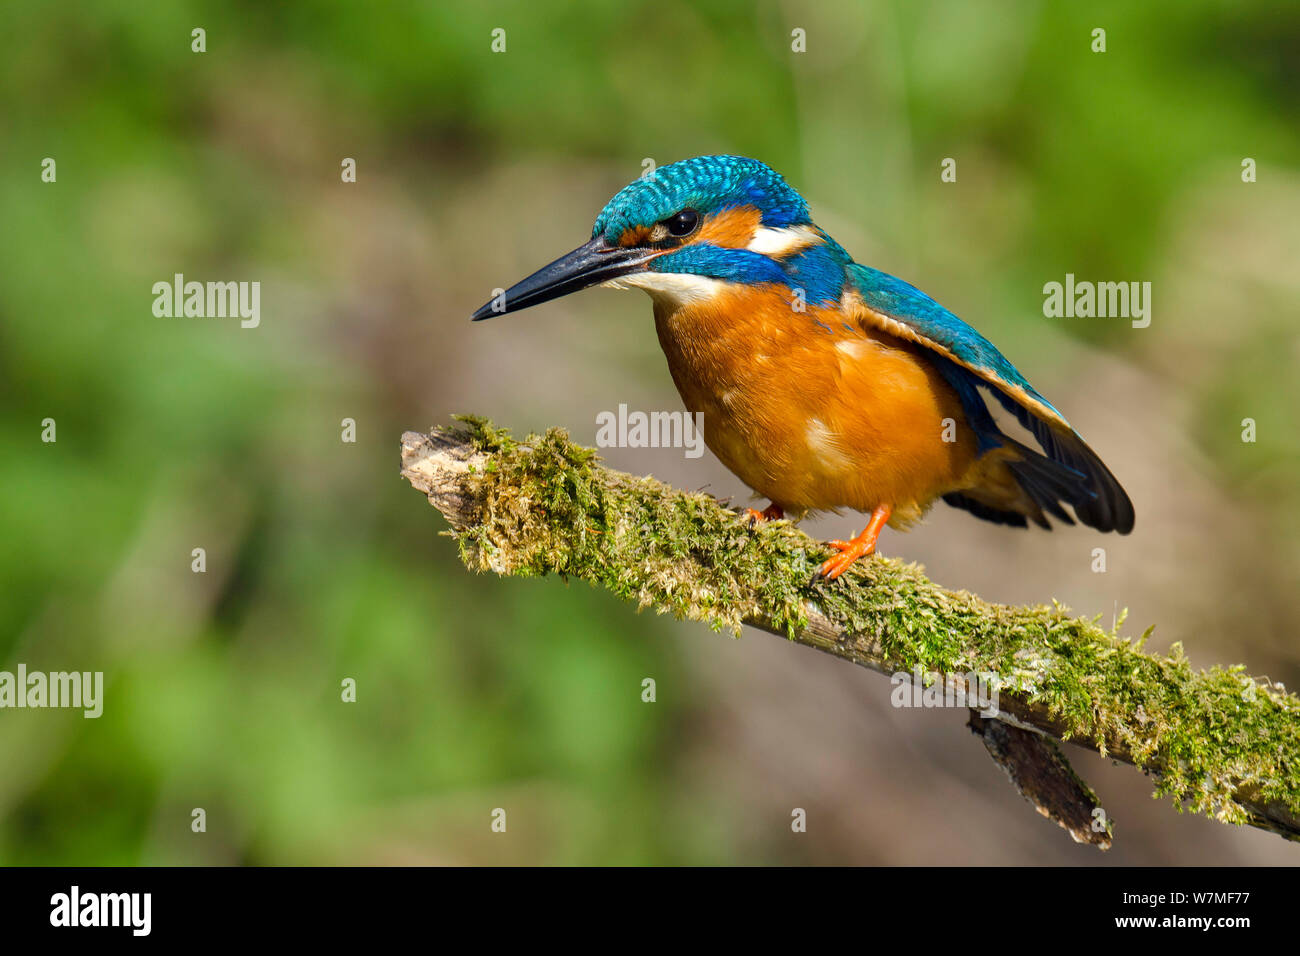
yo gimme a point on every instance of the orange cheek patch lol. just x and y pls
(731, 228)
(634, 236)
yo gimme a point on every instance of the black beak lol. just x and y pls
(589, 264)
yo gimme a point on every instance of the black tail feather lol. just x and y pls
(1103, 505)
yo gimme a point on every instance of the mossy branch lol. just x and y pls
(1217, 742)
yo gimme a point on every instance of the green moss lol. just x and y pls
(1207, 736)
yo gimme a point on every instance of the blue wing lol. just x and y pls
(1068, 470)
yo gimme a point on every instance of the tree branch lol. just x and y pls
(1218, 742)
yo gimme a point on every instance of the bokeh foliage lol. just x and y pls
(223, 688)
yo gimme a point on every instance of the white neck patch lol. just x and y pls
(782, 242)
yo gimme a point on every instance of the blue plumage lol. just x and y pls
(819, 271)
(716, 262)
(903, 301)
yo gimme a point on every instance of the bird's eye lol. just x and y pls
(682, 224)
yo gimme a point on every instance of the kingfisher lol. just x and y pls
(825, 384)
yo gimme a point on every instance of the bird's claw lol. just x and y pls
(837, 564)
(754, 518)
(849, 551)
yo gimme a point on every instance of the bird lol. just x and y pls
(825, 384)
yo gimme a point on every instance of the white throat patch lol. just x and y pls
(672, 288)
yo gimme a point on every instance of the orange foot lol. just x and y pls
(850, 551)
(754, 518)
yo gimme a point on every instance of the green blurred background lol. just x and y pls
(474, 168)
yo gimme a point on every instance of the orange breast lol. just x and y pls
(812, 413)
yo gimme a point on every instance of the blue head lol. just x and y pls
(708, 185)
(686, 227)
